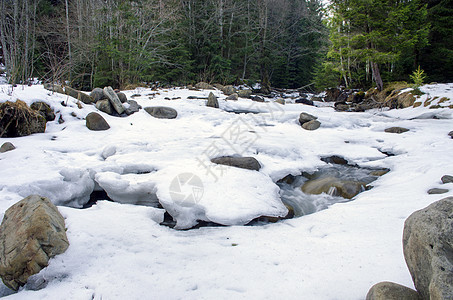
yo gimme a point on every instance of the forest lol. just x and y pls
(278, 43)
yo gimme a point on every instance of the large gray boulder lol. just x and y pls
(7, 146)
(162, 112)
(81, 96)
(447, 179)
(17, 119)
(233, 97)
(131, 107)
(229, 90)
(204, 86)
(391, 291)
(428, 249)
(249, 163)
(122, 96)
(96, 122)
(97, 94)
(245, 93)
(333, 186)
(105, 106)
(44, 109)
(54, 88)
(113, 98)
(212, 101)
(304, 118)
(32, 232)
(311, 125)
(397, 130)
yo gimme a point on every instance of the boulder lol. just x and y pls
(447, 179)
(332, 94)
(304, 118)
(396, 130)
(342, 106)
(204, 86)
(162, 112)
(7, 146)
(244, 93)
(249, 163)
(391, 291)
(437, 191)
(257, 99)
(311, 125)
(379, 172)
(280, 101)
(44, 109)
(105, 106)
(96, 122)
(333, 186)
(122, 97)
(17, 119)
(218, 86)
(114, 100)
(212, 101)
(131, 107)
(229, 90)
(32, 232)
(304, 101)
(97, 94)
(335, 159)
(81, 96)
(358, 97)
(54, 88)
(233, 97)
(428, 249)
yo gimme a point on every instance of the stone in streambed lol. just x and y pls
(7, 146)
(114, 100)
(249, 163)
(31, 233)
(96, 122)
(162, 112)
(391, 291)
(428, 249)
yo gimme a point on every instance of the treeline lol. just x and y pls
(377, 41)
(283, 43)
(117, 42)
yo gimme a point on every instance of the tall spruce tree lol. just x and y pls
(368, 38)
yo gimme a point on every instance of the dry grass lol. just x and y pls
(15, 113)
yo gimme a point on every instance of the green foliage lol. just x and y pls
(418, 76)
(375, 37)
(326, 75)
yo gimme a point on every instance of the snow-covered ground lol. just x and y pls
(119, 251)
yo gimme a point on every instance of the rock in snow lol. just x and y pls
(249, 163)
(428, 249)
(391, 291)
(162, 112)
(32, 232)
(96, 122)
(396, 130)
(113, 98)
(7, 146)
(212, 101)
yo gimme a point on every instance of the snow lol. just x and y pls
(118, 249)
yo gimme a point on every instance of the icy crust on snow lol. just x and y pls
(244, 194)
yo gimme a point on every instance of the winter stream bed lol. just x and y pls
(119, 250)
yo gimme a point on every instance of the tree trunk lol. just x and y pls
(69, 38)
(377, 76)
